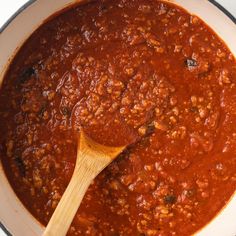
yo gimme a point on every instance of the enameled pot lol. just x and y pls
(13, 215)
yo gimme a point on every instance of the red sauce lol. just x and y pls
(140, 72)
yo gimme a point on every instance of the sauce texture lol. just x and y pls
(144, 72)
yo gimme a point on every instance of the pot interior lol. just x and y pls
(14, 36)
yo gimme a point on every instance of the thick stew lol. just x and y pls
(138, 72)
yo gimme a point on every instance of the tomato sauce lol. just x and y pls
(143, 73)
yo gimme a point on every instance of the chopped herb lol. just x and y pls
(191, 63)
(170, 199)
(26, 75)
(103, 8)
(65, 111)
(20, 164)
(150, 129)
(42, 110)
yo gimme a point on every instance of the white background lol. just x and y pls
(7, 8)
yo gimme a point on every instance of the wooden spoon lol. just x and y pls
(92, 158)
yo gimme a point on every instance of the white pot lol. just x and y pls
(13, 215)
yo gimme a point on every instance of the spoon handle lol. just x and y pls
(71, 199)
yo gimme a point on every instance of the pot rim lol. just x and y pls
(30, 2)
